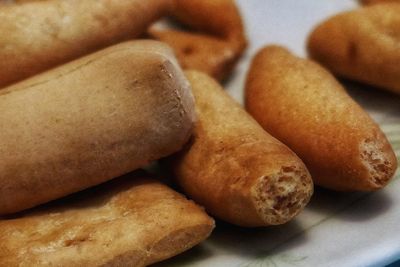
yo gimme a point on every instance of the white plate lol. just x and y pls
(336, 229)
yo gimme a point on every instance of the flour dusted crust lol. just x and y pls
(234, 168)
(362, 45)
(38, 35)
(303, 105)
(89, 121)
(130, 221)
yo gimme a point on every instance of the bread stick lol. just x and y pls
(236, 170)
(36, 36)
(217, 39)
(303, 105)
(131, 221)
(362, 45)
(91, 120)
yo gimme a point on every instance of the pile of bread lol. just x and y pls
(81, 104)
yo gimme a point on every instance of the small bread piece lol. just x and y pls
(201, 52)
(39, 35)
(130, 221)
(362, 45)
(91, 120)
(218, 39)
(303, 105)
(369, 2)
(236, 170)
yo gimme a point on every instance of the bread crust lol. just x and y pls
(234, 168)
(362, 45)
(39, 35)
(130, 221)
(89, 121)
(304, 106)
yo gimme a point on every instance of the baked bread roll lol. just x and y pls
(91, 120)
(236, 170)
(39, 35)
(131, 221)
(362, 45)
(303, 105)
(217, 41)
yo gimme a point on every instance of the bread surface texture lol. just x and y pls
(234, 168)
(130, 221)
(305, 107)
(89, 121)
(362, 45)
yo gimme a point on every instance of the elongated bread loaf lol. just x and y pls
(303, 105)
(362, 45)
(130, 221)
(234, 168)
(42, 34)
(91, 120)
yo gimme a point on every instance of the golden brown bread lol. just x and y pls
(130, 221)
(234, 168)
(303, 105)
(362, 45)
(218, 39)
(91, 120)
(39, 35)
